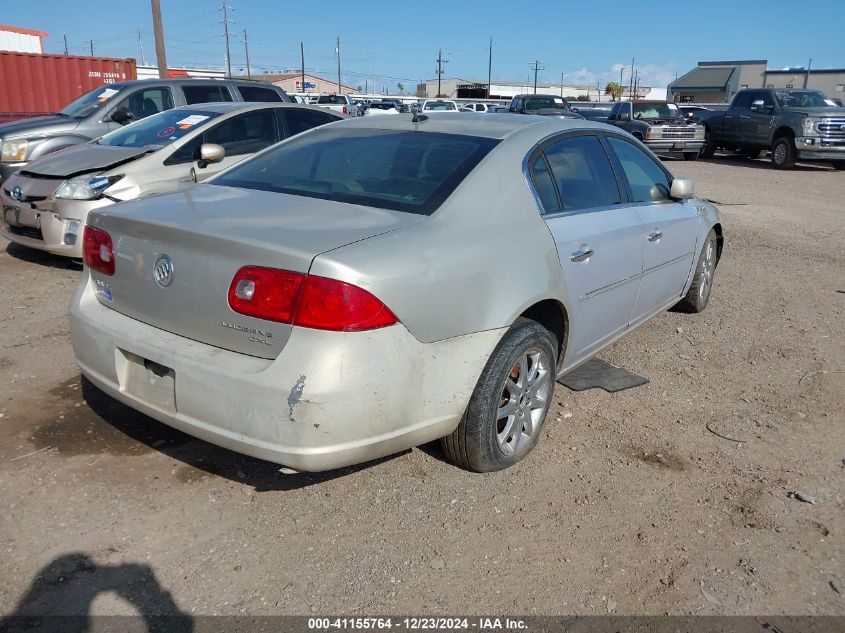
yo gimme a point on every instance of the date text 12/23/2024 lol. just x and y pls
(481, 624)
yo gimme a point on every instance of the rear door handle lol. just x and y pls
(580, 256)
(653, 237)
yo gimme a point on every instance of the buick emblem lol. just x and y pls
(163, 271)
(17, 193)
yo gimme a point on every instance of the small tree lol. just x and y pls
(613, 89)
(401, 88)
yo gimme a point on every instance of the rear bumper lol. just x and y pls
(329, 400)
(818, 148)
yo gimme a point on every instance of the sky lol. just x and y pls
(398, 41)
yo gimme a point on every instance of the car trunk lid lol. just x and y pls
(208, 233)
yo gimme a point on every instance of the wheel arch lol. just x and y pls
(552, 315)
(783, 131)
(720, 241)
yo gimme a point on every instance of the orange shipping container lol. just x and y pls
(35, 84)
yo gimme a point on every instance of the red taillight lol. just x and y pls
(345, 111)
(98, 250)
(265, 293)
(306, 300)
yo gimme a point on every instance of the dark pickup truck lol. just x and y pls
(660, 125)
(792, 124)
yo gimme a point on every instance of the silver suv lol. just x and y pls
(111, 105)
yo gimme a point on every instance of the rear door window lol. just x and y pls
(257, 93)
(545, 186)
(246, 133)
(647, 180)
(582, 172)
(404, 171)
(206, 93)
(299, 120)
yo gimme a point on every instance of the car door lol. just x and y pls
(756, 122)
(669, 227)
(736, 114)
(597, 236)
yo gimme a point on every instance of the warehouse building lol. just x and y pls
(718, 82)
(457, 88)
(20, 40)
(291, 82)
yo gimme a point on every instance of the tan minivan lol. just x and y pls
(46, 204)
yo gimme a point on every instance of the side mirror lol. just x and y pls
(623, 116)
(210, 153)
(122, 115)
(682, 188)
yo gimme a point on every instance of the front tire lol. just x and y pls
(839, 165)
(507, 410)
(783, 153)
(702, 282)
(709, 147)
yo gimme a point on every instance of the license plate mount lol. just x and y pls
(150, 382)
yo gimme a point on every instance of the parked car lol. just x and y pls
(339, 296)
(474, 107)
(46, 205)
(496, 109)
(546, 105)
(439, 105)
(378, 108)
(593, 113)
(661, 126)
(342, 104)
(792, 124)
(113, 105)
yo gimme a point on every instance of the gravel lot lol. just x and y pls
(629, 505)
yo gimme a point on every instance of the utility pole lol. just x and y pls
(489, 67)
(302, 66)
(807, 74)
(65, 36)
(158, 30)
(536, 68)
(561, 84)
(631, 88)
(440, 62)
(225, 9)
(246, 50)
(92, 47)
(337, 50)
(141, 49)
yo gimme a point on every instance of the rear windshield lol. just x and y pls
(405, 171)
(439, 105)
(159, 129)
(332, 100)
(545, 103)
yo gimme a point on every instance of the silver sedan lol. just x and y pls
(383, 282)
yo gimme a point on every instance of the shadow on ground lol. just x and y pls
(61, 593)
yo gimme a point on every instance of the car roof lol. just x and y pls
(498, 127)
(190, 80)
(224, 107)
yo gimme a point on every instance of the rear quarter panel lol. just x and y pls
(476, 264)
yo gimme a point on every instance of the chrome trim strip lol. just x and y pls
(603, 289)
(665, 264)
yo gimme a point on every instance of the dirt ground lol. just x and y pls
(629, 505)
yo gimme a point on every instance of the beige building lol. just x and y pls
(291, 82)
(718, 82)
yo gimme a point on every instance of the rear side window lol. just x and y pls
(404, 171)
(582, 172)
(256, 93)
(206, 93)
(297, 121)
(245, 134)
(647, 180)
(544, 184)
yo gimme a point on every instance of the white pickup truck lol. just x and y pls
(339, 103)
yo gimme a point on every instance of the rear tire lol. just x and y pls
(508, 407)
(691, 156)
(783, 153)
(702, 282)
(839, 165)
(709, 147)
